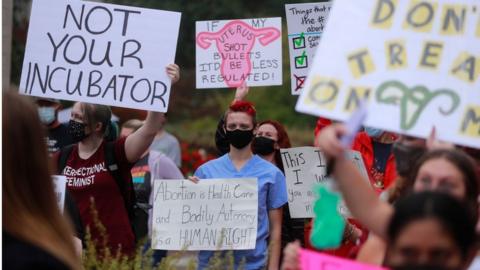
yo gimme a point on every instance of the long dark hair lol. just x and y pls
(30, 211)
(451, 213)
(464, 163)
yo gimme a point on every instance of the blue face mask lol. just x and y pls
(46, 114)
(373, 132)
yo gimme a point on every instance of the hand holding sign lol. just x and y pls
(173, 72)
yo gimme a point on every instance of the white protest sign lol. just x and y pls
(100, 53)
(305, 23)
(231, 52)
(417, 62)
(59, 187)
(304, 168)
(215, 214)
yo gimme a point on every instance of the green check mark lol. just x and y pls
(300, 60)
(300, 40)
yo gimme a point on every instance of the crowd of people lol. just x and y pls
(418, 209)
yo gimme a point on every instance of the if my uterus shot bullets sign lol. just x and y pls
(100, 53)
(416, 63)
(214, 214)
(230, 53)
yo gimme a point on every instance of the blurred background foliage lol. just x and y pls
(193, 114)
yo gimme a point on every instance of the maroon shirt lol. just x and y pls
(90, 178)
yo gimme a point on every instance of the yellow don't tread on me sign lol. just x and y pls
(416, 62)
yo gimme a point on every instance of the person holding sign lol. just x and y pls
(35, 234)
(153, 165)
(427, 230)
(240, 162)
(447, 170)
(96, 185)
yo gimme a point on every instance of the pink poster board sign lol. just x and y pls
(310, 260)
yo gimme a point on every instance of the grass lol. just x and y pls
(93, 259)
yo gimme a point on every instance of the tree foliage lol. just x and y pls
(187, 103)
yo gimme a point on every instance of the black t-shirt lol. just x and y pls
(18, 254)
(381, 152)
(57, 138)
(141, 180)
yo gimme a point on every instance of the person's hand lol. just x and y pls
(328, 140)
(194, 179)
(291, 255)
(434, 143)
(173, 72)
(241, 92)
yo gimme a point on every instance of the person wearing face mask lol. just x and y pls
(270, 136)
(375, 145)
(240, 162)
(97, 184)
(57, 135)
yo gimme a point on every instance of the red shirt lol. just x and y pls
(363, 144)
(90, 178)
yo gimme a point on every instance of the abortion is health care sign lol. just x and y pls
(230, 53)
(417, 63)
(100, 53)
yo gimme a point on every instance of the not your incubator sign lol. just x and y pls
(100, 53)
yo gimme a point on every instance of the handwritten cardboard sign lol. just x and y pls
(305, 23)
(59, 187)
(304, 168)
(311, 260)
(100, 53)
(232, 52)
(215, 214)
(417, 63)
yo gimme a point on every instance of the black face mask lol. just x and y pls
(263, 145)
(406, 157)
(239, 138)
(76, 130)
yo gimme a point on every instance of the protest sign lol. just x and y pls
(417, 63)
(59, 187)
(215, 214)
(311, 260)
(304, 168)
(305, 23)
(231, 52)
(100, 53)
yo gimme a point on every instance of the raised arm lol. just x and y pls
(361, 200)
(139, 141)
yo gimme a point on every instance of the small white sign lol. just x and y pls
(305, 23)
(59, 187)
(232, 52)
(215, 214)
(304, 168)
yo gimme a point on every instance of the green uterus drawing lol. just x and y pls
(413, 101)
